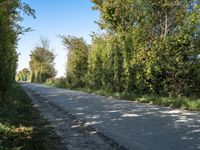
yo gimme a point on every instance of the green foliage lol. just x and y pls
(192, 104)
(23, 75)
(76, 67)
(98, 74)
(149, 47)
(57, 82)
(42, 63)
(10, 16)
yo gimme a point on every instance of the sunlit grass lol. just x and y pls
(181, 102)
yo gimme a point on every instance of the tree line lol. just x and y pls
(147, 47)
(150, 46)
(41, 64)
(10, 29)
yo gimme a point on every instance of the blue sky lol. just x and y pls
(54, 17)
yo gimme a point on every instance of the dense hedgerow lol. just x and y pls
(150, 47)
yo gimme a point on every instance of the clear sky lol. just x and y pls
(54, 17)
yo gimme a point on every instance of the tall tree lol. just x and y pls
(157, 42)
(42, 62)
(10, 16)
(77, 65)
(150, 46)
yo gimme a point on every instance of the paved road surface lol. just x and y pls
(135, 126)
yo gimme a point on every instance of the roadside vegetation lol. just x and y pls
(192, 104)
(41, 64)
(10, 29)
(23, 75)
(186, 103)
(21, 126)
(56, 82)
(149, 52)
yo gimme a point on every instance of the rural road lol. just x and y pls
(132, 125)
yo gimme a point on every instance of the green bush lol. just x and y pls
(57, 82)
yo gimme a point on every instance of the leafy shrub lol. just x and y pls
(57, 82)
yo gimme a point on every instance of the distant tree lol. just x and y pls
(23, 75)
(42, 62)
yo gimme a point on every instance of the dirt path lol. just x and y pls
(77, 116)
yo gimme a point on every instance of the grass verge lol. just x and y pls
(192, 104)
(21, 126)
